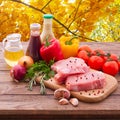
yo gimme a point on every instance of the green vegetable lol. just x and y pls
(41, 69)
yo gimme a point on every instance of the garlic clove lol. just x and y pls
(63, 101)
(62, 93)
(74, 101)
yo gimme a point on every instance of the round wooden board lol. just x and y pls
(91, 95)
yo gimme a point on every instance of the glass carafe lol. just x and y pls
(12, 49)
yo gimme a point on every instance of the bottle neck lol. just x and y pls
(47, 25)
(34, 32)
(47, 30)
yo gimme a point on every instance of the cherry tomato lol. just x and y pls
(105, 58)
(96, 62)
(119, 65)
(85, 47)
(113, 57)
(84, 55)
(111, 67)
(98, 52)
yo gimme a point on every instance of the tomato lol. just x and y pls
(84, 55)
(105, 58)
(85, 47)
(96, 62)
(111, 67)
(113, 57)
(98, 52)
(119, 65)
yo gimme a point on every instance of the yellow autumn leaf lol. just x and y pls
(88, 18)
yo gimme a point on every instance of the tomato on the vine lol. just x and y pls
(98, 52)
(110, 57)
(119, 65)
(113, 57)
(96, 62)
(84, 55)
(111, 67)
(85, 47)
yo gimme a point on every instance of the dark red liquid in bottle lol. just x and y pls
(33, 49)
(34, 45)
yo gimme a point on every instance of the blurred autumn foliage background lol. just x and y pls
(91, 20)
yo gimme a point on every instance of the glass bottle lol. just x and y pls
(12, 48)
(47, 32)
(33, 49)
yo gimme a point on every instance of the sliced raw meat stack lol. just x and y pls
(87, 81)
(67, 67)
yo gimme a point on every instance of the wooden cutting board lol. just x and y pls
(91, 95)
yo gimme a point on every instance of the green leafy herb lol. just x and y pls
(47, 43)
(41, 69)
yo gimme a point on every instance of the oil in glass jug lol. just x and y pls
(12, 49)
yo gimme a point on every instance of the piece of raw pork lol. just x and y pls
(87, 81)
(67, 67)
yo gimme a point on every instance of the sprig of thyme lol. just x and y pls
(41, 69)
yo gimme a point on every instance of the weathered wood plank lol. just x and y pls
(16, 100)
(8, 86)
(33, 104)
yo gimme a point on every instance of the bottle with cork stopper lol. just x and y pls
(47, 32)
(34, 42)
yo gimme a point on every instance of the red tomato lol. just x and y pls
(119, 65)
(84, 55)
(113, 57)
(105, 58)
(98, 52)
(85, 47)
(111, 67)
(96, 62)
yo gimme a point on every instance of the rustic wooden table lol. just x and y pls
(16, 102)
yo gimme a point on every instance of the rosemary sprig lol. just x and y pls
(42, 69)
(42, 86)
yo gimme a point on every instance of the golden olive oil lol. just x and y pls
(12, 55)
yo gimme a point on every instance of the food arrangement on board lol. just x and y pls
(75, 72)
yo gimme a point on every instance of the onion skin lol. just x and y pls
(26, 61)
(18, 73)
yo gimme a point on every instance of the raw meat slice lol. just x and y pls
(87, 81)
(66, 67)
(72, 64)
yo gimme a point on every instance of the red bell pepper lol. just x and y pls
(51, 50)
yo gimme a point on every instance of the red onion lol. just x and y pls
(18, 73)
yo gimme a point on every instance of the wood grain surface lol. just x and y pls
(17, 102)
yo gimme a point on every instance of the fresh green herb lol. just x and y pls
(47, 43)
(41, 69)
